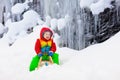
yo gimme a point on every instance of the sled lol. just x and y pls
(45, 61)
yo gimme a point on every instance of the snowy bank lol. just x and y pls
(97, 62)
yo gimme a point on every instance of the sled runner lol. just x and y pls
(38, 62)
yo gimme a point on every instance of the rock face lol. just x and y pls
(109, 24)
(103, 25)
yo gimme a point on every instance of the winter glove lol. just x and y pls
(50, 53)
(47, 49)
(40, 54)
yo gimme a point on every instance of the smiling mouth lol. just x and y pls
(47, 38)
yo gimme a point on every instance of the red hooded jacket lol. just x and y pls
(38, 44)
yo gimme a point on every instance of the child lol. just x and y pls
(45, 44)
(45, 49)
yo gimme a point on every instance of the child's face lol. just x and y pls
(47, 35)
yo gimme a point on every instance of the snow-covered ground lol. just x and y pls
(97, 62)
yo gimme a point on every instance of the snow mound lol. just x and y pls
(96, 6)
(18, 29)
(19, 8)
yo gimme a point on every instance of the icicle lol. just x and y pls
(95, 26)
(118, 12)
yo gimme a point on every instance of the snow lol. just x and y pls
(27, 1)
(53, 23)
(1, 28)
(57, 39)
(97, 62)
(47, 20)
(86, 3)
(118, 2)
(31, 17)
(17, 29)
(19, 8)
(96, 6)
(61, 23)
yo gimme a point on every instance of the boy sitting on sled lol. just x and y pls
(45, 44)
(45, 49)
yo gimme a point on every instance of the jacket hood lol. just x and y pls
(43, 30)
